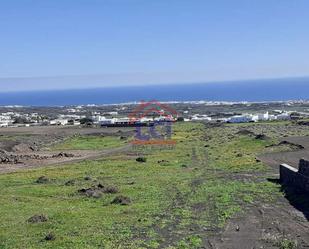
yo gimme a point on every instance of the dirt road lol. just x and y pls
(79, 155)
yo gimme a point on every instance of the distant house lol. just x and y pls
(284, 116)
(112, 113)
(97, 118)
(240, 119)
(116, 122)
(107, 121)
(4, 124)
(263, 116)
(198, 117)
(59, 122)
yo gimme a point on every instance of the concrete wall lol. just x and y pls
(304, 167)
(299, 179)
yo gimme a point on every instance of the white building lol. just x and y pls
(4, 124)
(146, 120)
(59, 122)
(165, 118)
(5, 121)
(98, 118)
(272, 117)
(263, 116)
(198, 117)
(107, 121)
(241, 119)
(284, 116)
(112, 113)
(71, 116)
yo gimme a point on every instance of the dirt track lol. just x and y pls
(79, 155)
(291, 157)
(261, 225)
(30, 145)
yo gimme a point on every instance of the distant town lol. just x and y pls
(118, 115)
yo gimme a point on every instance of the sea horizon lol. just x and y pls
(266, 90)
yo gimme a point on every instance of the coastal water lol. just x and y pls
(262, 90)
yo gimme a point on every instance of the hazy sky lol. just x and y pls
(47, 44)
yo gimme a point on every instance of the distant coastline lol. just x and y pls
(250, 91)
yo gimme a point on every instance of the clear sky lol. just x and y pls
(46, 44)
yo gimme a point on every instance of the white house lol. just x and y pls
(263, 116)
(4, 124)
(112, 113)
(198, 117)
(284, 116)
(240, 119)
(272, 117)
(98, 118)
(107, 121)
(165, 118)
(59, 122)
(145, 120)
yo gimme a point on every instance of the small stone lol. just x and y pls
(141, 159)
(50, 237)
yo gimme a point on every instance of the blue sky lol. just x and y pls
(55, 44)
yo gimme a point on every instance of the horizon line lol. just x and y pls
(149, 84)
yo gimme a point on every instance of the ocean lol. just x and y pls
(252, 90)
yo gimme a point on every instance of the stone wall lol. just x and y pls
(299, 179)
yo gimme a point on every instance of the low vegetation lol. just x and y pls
(167, 200)
(90, 142)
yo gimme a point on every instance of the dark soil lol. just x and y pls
(245, 133)
(70, 183)
(50, 237)
(141, 159)
(28, 147)
(8, 158)
(261, 137)
(98, 190)
(295, 146)
(23, 147)
(91, 192)
(63, 154)
(110, 190)
(303, 123)
(42, 180)
(163, 161)
(299, 149)
(121, 200)
(38, 218)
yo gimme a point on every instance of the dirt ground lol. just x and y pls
(27, 147)
(260, 226)
(291, 157)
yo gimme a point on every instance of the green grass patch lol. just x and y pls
(90, 143)
(175, 188)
